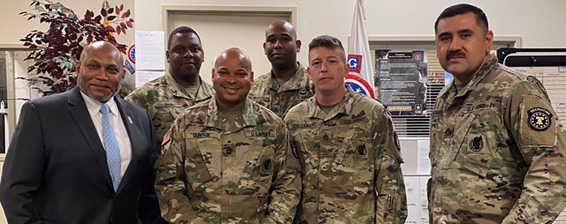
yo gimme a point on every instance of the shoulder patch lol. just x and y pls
(166, 137)
(539, 118)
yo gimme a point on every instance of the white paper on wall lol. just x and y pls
(150, 50)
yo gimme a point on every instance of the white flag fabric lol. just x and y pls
(359, 57)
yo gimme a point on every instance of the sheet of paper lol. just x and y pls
(412, 187)
(423, 199)
(150, 50)
(423, 166)
(143, 77)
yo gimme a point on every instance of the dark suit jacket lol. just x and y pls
(56, 171)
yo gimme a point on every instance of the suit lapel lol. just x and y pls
(133, 133)
(79, 112)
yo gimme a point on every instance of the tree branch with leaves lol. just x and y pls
(55, 51)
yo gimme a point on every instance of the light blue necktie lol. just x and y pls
(111, 145)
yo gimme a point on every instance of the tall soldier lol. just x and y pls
(287, 84)
(168, 96)
(348, 148)
(498, 150)
(228, 160)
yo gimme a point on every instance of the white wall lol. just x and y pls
(533, 20)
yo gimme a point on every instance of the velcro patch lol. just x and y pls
(539, 118)
(537, 122)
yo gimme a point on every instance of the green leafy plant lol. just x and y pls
(55, 51)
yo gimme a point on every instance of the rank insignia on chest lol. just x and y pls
(227, 150)
(539, 118)
(476, 144)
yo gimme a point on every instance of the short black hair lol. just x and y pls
(463, 8)
(329, 42)
(181, 29)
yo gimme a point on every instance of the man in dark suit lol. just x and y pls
(82, 156)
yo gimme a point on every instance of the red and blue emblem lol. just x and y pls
(355, 62)
(359, 85)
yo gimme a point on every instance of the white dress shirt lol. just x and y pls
(93, 108)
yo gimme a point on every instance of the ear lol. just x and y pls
(488, 41)
(252, 76)
(298, 44)
(78, 67)
(213, 73)
(264, 50)
(346, 69)
(309, 72)
(167, 55)
(123, 74)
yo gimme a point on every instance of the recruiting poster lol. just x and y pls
(401, 81)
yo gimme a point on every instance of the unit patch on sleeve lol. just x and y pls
(539, 118)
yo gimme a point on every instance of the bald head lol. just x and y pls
(283, 25)
(281, 47)
(101, 46)
(100, 71)
(232, 77)
(233, 54)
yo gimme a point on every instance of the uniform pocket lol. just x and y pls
(476, 147)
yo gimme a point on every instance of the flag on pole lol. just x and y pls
(360, 77)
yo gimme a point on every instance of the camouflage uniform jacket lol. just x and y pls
(164, 99)
(280, 98)
(212, 171)
(351, 162)
(497, 151)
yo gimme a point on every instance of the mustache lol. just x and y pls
(456, 54)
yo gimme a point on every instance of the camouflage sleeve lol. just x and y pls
(136, 97)
(541, 140)
(286, 186)
(391, 204)
(169, 182)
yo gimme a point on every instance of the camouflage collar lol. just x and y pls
(484, 70)
(343, 107)
(205, 90)
(248, 115)
(294, 83)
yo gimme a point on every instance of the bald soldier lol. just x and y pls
(497, 148)
(347, 146)
(227, 160)
(287, 84)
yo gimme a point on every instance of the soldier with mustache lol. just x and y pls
(497, 148)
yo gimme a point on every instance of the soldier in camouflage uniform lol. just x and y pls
(347, 147)
(497, 147)
(287, 84)
(168, 96)
(228, 160)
